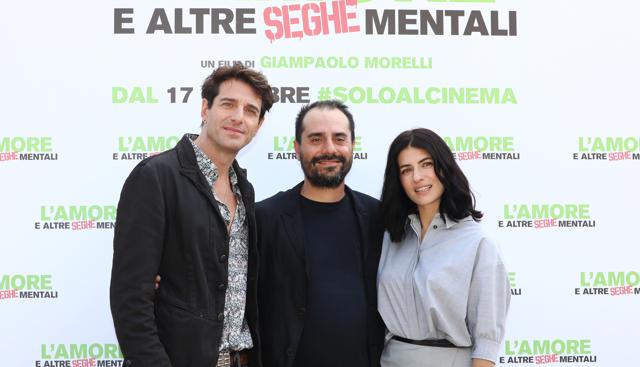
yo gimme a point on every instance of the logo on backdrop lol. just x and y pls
(344, 62)
(544, 216)
(27, 148)
(140, 147)
(423, 95)
(321, 18)
(76, 217)
(79, 355)
(611, 283)
(283, 148)
(351, 94)
(598, 148)
(27, 286)
(467, 148)
(128, 95)
(547, 351)
(515, 290)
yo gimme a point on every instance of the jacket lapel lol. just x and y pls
(189, 168)
(291, 220)
(364, 222)
(245, 188)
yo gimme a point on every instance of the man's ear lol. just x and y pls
(204, 109)
(296, 147)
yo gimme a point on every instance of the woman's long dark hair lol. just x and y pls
(457, 200)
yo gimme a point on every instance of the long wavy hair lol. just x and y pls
(457, 200)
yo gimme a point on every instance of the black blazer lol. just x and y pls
(282, 288)
(168, 223)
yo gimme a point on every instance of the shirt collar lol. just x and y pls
(206, 165)
(414, 221)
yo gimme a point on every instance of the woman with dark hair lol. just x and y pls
(443, 291)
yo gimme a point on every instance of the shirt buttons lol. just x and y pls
(223, 258)
(435, 226)
(221, 316)
(222, 286)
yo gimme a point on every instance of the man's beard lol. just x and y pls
(331, 180)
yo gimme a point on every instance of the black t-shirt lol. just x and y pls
(334, 331)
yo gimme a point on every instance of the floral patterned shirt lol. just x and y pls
(235, 332)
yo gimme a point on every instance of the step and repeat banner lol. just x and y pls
(538, 100)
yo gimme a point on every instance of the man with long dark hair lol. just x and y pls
(319, 244)
(188, 215)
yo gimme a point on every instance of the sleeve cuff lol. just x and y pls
(485, 349)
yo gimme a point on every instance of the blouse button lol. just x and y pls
(435, 226)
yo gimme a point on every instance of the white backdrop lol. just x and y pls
(563, 85)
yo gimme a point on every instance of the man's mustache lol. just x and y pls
(328, 157)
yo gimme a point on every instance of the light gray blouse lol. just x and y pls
(451, 286)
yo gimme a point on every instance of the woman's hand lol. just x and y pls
(477, 362)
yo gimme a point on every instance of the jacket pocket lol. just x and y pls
(176, 308)
(187, 335)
